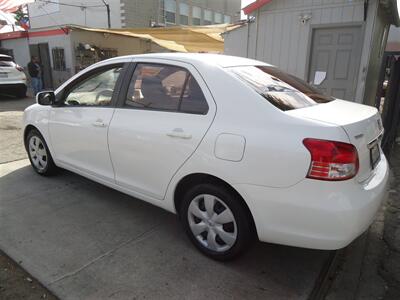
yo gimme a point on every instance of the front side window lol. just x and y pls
(283, 90)
(165, 88)
(95, 90)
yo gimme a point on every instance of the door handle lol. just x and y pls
(99, 123)
(179, 133)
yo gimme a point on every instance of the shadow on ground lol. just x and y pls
(84, 240)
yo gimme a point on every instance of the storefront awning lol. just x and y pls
(179, 39)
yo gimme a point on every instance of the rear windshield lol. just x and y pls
(283, 90)
(6, 61)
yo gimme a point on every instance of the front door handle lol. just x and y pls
(179, 133)
(99, 123)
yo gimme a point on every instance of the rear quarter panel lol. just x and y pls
(274, 154)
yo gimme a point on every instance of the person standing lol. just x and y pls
(35, 71)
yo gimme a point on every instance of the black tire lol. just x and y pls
(20, 92)
(245, 234)
(49, 168)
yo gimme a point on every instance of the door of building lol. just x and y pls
(335, 55)
(42, 51)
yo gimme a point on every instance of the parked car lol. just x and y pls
(237, 148)
(12, 77)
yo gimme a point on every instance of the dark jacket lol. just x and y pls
(33, 69)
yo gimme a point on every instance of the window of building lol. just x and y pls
(95, 90)
(208, 17)
(184, 13)
(58, 59)
(196, 15)
(227, 19)
(218, 18)
(165, 88)
(108, 53)
(170, 11)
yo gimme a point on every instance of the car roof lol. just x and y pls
(203, 58)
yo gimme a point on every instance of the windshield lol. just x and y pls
(283, 90)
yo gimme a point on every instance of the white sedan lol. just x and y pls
(237, 148)
(12, 77)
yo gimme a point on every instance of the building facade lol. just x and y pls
(342, 41)
(140, 13)
(90, 13)
(132, 13)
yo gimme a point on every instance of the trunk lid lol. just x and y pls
(361, 123)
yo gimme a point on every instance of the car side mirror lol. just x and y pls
(46, 98)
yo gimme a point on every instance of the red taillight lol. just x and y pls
(331, 160)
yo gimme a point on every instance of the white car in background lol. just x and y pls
(12, 77)
(237, 148)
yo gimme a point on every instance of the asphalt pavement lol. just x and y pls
(82, 240)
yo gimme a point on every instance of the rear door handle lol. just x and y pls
(99, 123)
(179, 133)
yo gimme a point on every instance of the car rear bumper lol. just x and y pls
(316, 214)
(13, 85)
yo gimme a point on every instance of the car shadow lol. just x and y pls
(64, 223)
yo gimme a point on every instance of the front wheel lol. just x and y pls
(216, 221)
(39, 154)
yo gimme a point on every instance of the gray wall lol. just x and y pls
(281, 39)
(20, 50)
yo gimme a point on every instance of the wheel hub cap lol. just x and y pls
(212, 223)
(37, 153)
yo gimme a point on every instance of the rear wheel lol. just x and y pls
(20, 92)
(216, 221)
(39, 154)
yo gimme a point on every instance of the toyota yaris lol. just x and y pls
(237, 148)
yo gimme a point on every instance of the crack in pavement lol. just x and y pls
(85, 266)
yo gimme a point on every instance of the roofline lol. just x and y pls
(254, 6)
(13, 35)
(36, 33)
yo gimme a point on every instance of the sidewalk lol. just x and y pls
(390, 268)
(370, 267)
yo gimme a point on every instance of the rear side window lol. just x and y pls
(6, 61)
(165, 88)
(283, 90)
